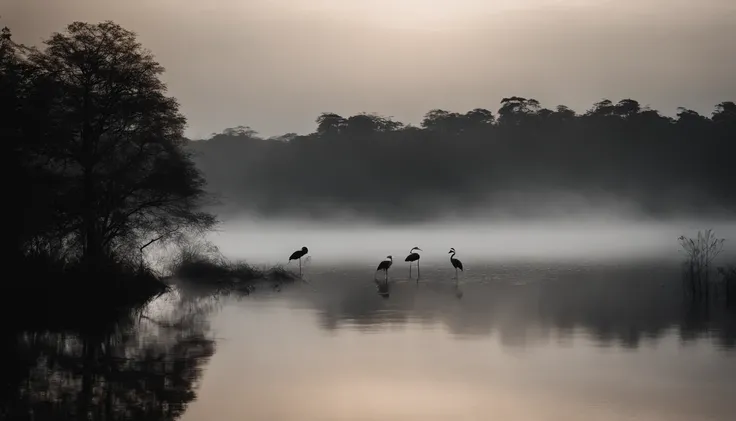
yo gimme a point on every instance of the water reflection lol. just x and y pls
(425, 350)
(384, 289)
(145, 365)
(527, 304)
(523, 342)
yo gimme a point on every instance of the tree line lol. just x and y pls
(98, 164)
(375, 166)
(101, 169)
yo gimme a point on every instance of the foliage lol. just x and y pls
(203, 264)
(472, 160)
(99, 147)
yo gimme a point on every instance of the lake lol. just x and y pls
(511, 342)
(510, 339)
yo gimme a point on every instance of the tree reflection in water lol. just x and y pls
(144, 365)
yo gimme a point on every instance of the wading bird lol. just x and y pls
(456, 263)
(298, 255)
(385, 264)
(411, 258)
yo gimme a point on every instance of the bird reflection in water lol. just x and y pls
(458, 290)
(383, 288)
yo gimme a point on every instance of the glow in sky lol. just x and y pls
(275, 65)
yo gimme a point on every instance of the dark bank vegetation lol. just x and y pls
(515, 159)
(100, 171)
(702, 282)
(201, 264)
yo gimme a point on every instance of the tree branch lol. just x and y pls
(159, 238)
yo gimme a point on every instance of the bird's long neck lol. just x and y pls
(452, 256)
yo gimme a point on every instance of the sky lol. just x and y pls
(275, 65)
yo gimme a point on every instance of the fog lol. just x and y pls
(590, 239)
(560, 147)
(527, 203)
(523, 160)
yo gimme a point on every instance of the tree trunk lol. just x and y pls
(92, 254)
(92, 237)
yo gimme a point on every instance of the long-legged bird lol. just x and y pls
(385, 264)
(298, 255)
(411, 258)
(456, 263)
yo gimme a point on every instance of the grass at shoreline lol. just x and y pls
(203, 265)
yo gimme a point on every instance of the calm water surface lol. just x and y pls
(515, 341)
(506, 342)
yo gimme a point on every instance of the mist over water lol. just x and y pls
(590, 333)
(575, 301)
(584, 239)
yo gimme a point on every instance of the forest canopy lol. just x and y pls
(517, 159)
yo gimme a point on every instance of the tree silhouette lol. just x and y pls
(627, 108)
(517, 110)
(725, 113)
(602, 108)
(98, 149)
(457, 161)
(329, 124)
(96, 118)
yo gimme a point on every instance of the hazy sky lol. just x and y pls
(276, 64)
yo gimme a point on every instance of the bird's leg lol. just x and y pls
(300, 266)
(409, 270)
(417, 270)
